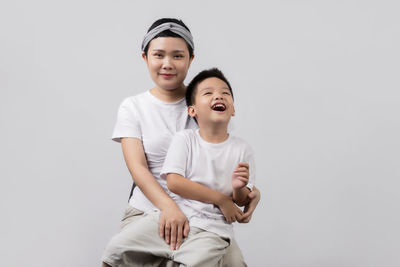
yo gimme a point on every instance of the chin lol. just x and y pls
(169, 85)
(221, 120)
(169, 88)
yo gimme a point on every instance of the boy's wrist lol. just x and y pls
(240, 196)
(219, 199)
(238, 191)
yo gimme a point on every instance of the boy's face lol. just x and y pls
(213, 102)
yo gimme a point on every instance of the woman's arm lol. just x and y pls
(192, 190)
(173, 223)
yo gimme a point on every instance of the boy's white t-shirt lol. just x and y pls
(154, 122)
(211, 165)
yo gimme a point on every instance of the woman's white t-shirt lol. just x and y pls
(154, 122)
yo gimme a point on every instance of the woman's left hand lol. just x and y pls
(249, 208)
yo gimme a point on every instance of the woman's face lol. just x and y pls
(168, 62)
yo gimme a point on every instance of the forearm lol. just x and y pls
(240, 196)
(192, 190)
(150, 187)
(137, 165)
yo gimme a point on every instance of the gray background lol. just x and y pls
(317, 96)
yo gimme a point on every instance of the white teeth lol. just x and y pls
(219, 106)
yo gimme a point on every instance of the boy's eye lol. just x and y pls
(207, 93)
(226, 93)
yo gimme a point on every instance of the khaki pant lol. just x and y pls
(138, 244)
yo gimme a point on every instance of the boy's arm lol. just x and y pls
(191, 190)
(253, 197)
(240, 196)
(240, 179)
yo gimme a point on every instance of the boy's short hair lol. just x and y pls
(191, 89)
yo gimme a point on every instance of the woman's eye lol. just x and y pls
(158, 55)
(179, 56)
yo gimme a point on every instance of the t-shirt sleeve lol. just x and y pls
(177, 156)
(127, 124)
(249, 157)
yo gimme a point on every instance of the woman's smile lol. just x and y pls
(168, 62)
(167, 75)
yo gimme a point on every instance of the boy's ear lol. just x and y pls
(191, 111)
(233, 112)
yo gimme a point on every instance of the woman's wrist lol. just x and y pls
(167, 204)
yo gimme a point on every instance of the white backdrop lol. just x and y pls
(316, 86)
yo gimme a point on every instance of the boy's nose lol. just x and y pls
(218, 96)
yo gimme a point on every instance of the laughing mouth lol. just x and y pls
(218, 107)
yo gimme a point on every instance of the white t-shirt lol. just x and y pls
(154, 122)
(211, 165)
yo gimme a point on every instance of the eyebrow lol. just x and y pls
(208, 88)
(161, 50)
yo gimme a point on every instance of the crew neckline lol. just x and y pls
(159, 101)
(215, 145)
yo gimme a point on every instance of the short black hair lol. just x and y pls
(168, 33)
(205, 74)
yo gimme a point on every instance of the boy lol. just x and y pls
(198, 168)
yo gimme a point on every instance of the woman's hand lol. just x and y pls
(173, 226)
(254, 197)
(231, 212)
(173, 223)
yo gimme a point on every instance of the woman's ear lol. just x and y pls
(144, 56)
(191, 59)
(192, 111)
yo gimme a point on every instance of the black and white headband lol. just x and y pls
(173, 27)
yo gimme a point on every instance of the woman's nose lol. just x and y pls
(167, 63)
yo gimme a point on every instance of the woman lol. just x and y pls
(145, 126)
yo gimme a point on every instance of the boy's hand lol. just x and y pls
(240, 176)
(231, 212)
(173, 226)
